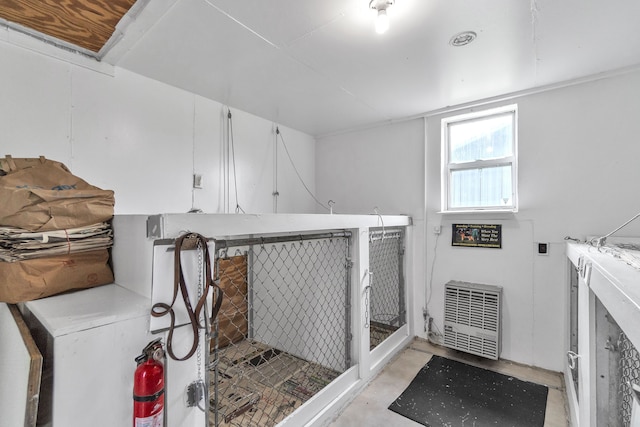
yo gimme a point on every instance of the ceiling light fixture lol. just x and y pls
(382, 20)
(463, 38)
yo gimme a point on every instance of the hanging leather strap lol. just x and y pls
(162, 309)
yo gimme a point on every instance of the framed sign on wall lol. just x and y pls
(477, 235)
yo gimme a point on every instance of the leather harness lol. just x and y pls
(162, 309)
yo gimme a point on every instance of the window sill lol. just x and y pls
(480, 211)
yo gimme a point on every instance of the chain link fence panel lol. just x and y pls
(629, 374)
(387, 293)
(284, 331)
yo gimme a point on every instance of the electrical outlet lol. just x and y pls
(437, 229)
(543, 248)
(197, 180)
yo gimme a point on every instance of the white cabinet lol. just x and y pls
(90, 339)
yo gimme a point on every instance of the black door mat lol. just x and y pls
(450, 393)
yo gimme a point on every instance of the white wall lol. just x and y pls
(380, 167)
(144, 139)
(578, 176)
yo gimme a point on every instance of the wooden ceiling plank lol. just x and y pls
(86, 23)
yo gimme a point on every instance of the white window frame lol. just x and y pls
(447, 167)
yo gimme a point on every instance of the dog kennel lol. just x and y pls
(304, 296)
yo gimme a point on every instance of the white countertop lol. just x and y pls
(88, 308)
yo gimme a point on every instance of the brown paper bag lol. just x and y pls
(42, 195)
(42, 277)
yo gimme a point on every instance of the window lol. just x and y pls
(479, 161)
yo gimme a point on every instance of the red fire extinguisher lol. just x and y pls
(148, 387)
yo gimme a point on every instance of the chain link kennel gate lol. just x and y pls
(617, 366)
(284, 331)
(629, 374)
(387, 294)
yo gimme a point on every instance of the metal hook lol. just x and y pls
(375, 210)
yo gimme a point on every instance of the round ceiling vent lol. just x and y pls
(463, 38)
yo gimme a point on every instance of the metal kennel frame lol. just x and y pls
(286, 330)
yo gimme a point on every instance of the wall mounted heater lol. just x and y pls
(472, 318)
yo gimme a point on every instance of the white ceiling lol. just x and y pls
(318, 65)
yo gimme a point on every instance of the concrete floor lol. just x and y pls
(369, 408)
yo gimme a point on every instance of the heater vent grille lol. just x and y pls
(472, 318)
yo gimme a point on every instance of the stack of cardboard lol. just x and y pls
(18, 244)
(55, 230)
